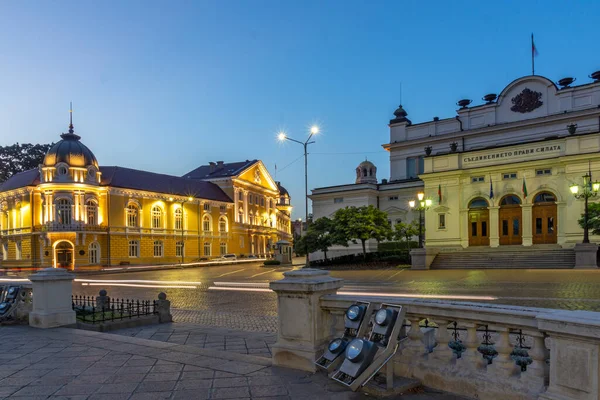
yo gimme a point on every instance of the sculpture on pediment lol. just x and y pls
(257, 176)
(526, 101)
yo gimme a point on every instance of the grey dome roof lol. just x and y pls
(366, 163)
(70, 151)
(282, 191)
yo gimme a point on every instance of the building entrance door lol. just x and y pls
(544, 218)
(479, 222)
(63, 255)
(510, 221)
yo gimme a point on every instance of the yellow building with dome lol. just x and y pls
(75, 214)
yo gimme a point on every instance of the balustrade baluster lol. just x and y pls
(415, 344)
(442, 351)
(471, 342)
(503, 363)
(539, 354)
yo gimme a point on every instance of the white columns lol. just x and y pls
(494, 229)
(236, 204)
(526, 215)
(245, 206)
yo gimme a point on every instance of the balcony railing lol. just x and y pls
(72, 227)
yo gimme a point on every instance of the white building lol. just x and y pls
(534, 133)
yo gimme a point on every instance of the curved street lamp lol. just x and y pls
(585, 191)
(421, 206)
(282, 136)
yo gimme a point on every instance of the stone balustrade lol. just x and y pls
(483, 351)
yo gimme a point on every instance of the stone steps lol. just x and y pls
(515, 259)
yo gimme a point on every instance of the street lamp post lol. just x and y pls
(423, 205)
(282, 137)
(189, 199)
(586, 191)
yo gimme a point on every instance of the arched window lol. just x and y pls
(92, 212)
(545, 197)
(157, 217)
(94, 252)
(179, 219)
(222, 224)
(158, 248)
(510, 200)
(63, 211)
(478, 202)
(132, 216)
(206, 223)
(371, 172)
(364, 172)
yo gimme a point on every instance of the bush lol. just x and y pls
(391, 257)
(396, 246)
(272, 262)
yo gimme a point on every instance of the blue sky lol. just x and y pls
(167, 86)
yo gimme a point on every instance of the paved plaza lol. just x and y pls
(80, 365)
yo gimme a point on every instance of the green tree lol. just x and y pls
(300, 246)
(593, 218)
(320, 235)
(20, 157)
(361, 223)
(406, 231)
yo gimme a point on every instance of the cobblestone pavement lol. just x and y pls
(242, 342)
(80, 365)
(217, 296)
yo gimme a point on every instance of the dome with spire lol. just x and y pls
(400, 116)
(366, 172)
(70, 151)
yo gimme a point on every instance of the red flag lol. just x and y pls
(534, 51)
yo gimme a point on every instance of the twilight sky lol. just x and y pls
(167, 86)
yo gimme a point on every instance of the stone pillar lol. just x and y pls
(585, 256)
(163, 306)
(52, 304)
(560, 224)
(304, 327)
(574, 354)
(422, 258)
(527, 221)
(464, 227)
(494, 231)
(102, 300)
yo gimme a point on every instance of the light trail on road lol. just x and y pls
(140, 285)
(248, 284)
(139, 281)
(240, 289)
(229, 273)
(420, 296)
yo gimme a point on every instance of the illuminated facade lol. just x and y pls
(73, 213)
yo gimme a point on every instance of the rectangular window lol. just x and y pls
(158, 248)
(179, 249)
(504, 227)
(134, 248)
(483, 228)
(206, 206)
(509, 175)
(550, 225)
(250, 198)
(538, 226)
(442, 221)
(477, 179)
(207, 249)
(474, 229)
(516, 227)
(414, 166)
(19, 250)
(223, 248)
(241, 196)
(262, 201)
(338, 200)
(546, 171)
(392, 198)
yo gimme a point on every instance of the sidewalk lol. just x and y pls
(73, 364)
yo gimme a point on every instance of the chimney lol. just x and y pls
(220, 164)
(211, 167)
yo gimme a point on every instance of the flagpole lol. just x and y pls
(532, 56)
